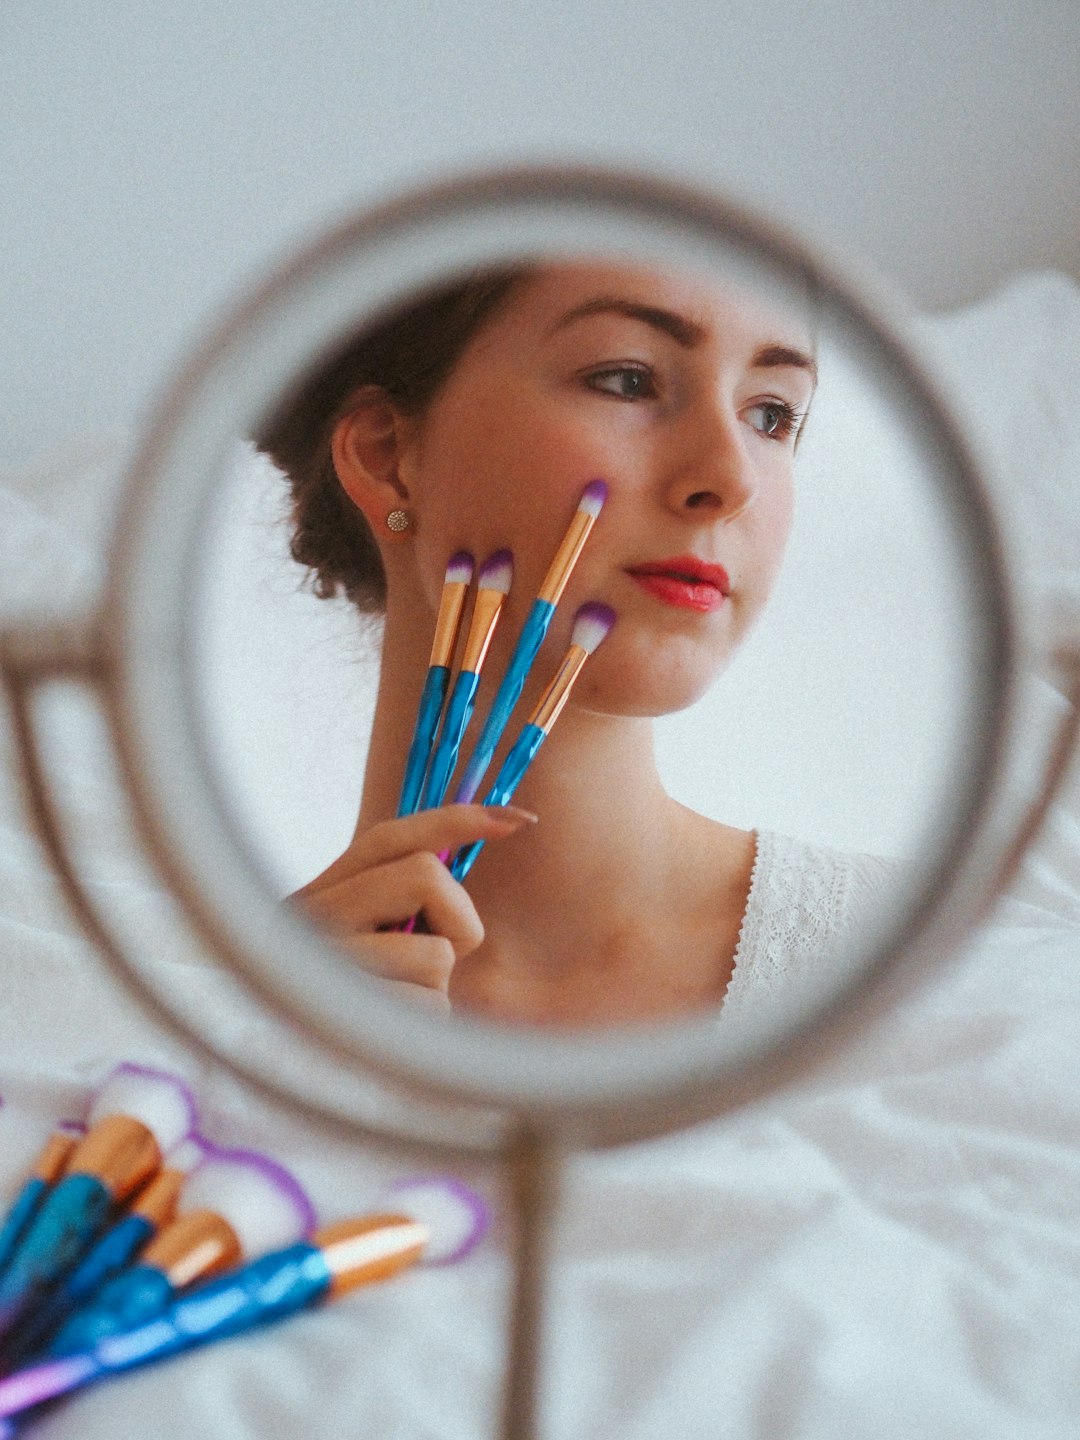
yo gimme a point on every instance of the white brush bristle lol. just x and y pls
(593, 497)
(497, 572)
(162, 1102)
(186, 1155)
(262, 1211)
(455, 1215)
(591, 624)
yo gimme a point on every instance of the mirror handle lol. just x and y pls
(534, 1166)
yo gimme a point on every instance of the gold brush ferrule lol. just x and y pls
(448, 622)
(52, 1161)
(195, 1245)
(358, 1252)
(157, 1203)
(121, 1151)
(481, 628)
(549, 707)
(566, 557)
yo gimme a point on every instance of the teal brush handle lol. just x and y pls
(71, 1293)
(509, 693)
(458, 713)
(69, 1219)
(508, 779)
(427, 720)
(267, 1289)
(19, 1216)
(136, 1295)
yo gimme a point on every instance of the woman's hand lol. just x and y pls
(391, 873)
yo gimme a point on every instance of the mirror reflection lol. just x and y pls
(725, 810)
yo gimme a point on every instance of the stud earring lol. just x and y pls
(397, 521)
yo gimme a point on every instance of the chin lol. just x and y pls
(649, 691)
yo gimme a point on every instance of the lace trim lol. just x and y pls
(804, 908)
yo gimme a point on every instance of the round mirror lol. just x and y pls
(777, 645)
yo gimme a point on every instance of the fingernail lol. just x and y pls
(512, 812)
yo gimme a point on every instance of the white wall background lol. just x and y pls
(154, 156)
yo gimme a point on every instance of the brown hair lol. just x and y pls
(408, 352)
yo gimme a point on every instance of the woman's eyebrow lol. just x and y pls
(775, 355)
(686, 332)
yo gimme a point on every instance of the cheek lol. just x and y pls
(772, 523)
(501, 473)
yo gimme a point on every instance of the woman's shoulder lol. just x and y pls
(807, 908)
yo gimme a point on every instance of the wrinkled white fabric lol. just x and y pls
(892, 1251)
(806, 908)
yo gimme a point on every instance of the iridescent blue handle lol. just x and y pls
(458, 712)
(19, 1216)
(69, 1218)
(427, 720)
(138, 1294)
(73, 1291)
(506, 782)
(264, 1290)
(507, 696)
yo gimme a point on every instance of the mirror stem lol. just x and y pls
(534, 1167)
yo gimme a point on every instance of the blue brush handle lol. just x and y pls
(267, 1289)
(427, 720)
(67, 1222)
(506, 782)
(458, 712)
(19, 1216)
(111, 1253)
(264, 1290)
(507, 696)
(137, 1294)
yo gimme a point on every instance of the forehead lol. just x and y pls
(553, 298)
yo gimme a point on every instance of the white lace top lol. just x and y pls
(804, 910)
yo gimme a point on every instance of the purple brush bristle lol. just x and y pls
(593, 497)
(284, 1181)
(496, 572)
(457, 1216)
(159, 1099)
(591, 624)
(459, 569)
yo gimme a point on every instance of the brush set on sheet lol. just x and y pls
(135, 1237)
(435, 749)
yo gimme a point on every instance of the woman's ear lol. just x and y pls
(366, 446)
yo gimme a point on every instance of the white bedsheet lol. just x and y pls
(895, 1252)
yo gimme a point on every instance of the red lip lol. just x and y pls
(684, 581)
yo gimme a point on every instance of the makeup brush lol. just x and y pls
(48, 1168)
(531, 637)
(138, 1116)
(492, 585)
(459, 573)
(335, 1260)
(151, 1209)
(237, 1204)
(591, 625)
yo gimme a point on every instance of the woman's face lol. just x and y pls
(686, 399)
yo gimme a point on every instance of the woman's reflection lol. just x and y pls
(475, 417)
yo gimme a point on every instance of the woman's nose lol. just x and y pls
(711, 470)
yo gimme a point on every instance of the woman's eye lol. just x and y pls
(774, 418)
(628, 382)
